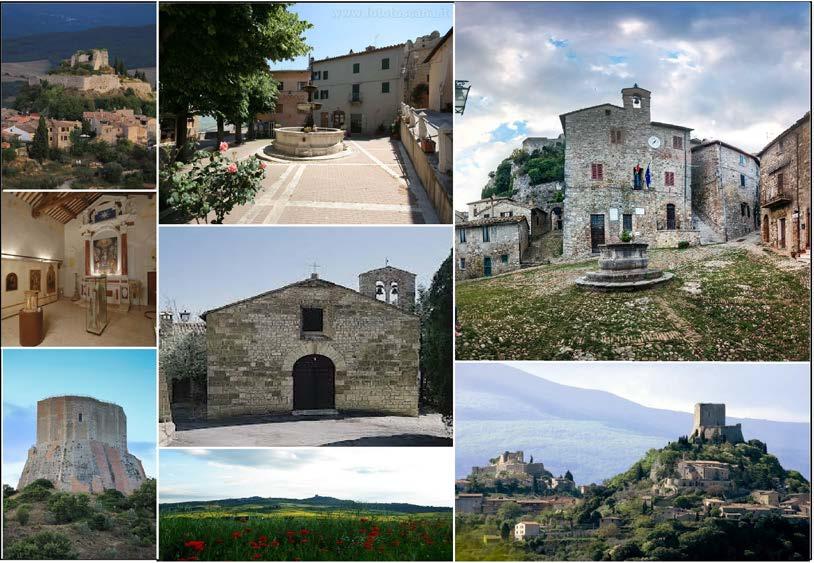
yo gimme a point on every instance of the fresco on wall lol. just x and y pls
(105, 255)
(34, 280)
(51, 280)
(11, 282)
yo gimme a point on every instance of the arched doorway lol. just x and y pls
(313, 383)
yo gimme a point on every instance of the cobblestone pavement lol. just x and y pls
(374, 185)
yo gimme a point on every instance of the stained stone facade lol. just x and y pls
(536, 218)
(785, 190)
(489, 246)
(311, 346)
(725, 188)
(608, 149)
(82, 447)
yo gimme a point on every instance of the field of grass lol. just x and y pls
(299, 534)
(725, 304)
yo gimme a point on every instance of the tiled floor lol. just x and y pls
(371, 186)
(65, 326)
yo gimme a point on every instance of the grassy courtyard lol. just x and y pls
(730, 302)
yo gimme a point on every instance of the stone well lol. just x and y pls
(623, 267)
(322, 141)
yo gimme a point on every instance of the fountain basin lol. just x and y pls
(623, 267)
(322, 141)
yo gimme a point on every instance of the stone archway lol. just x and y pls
(314, 383)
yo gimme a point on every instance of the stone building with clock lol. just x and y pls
(309, 348)
(609, 150)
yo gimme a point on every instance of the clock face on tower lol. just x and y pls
(654, 142)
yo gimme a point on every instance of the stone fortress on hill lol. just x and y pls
(709, 424)
(82, 447)
(90, 71)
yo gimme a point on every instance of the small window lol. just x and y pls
(780, 146)
(669, 179)
(316, 75)
(485, 233)
(80, 417)
(627, 222)
(461, 235)
(596, 171)
(742, 160)
(507, 213)
(385, 87)
(486, 215)
(678, 142)
(743, 181)
(743, 210)
(323, 94)
(462, 263)
(607, 112)
(504, 258)
(316, 94)
(311, 319)
(616, 136)
(324, 75)
(355, 68)
(385, 63)
(780, 182)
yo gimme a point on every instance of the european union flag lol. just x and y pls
(647, 176)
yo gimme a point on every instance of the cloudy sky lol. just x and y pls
(745, 388)
(123, 377)
(414, 475)
(736, 71)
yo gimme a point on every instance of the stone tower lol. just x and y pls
(390, 285)
(709, 423)
(637, 101)
(82, 447)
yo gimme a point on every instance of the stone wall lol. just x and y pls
(426, 166)
(789, 155)
(507, 239)
(718, 197)
(588, 142)
(405, 284)
(671, 239)
(82, 447)
(100, 83)
(252, 346)
(503, 207)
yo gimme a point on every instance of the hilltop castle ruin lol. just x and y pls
(709, 424)
(82, 447)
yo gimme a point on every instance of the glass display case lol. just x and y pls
(96, 319)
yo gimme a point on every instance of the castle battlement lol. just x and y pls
(709, 424)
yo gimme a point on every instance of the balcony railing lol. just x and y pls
(775, 198)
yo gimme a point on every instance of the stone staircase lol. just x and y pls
(541, 249)
(707, 233)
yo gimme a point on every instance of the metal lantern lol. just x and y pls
(461, 94)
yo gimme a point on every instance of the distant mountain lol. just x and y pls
(316, 501)
(136, 45)
(593, 433)
(32, 18)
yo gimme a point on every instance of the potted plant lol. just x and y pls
(626, 236)
(394, 130)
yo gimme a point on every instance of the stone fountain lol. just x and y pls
(308, 141)
(623, 266)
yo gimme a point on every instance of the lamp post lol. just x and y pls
(461, 94)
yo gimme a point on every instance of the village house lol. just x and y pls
(109, 126)
(490, 245)
(290, 93)
(725, 190)
(526, 529)
(439, 79)
(767, 498)
(624, 172)
(59, 132)
(316, 347)
(785, 190)
(417, 69)
(536, 218)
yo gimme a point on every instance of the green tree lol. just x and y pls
(435, 361)
(509, 510)
(207, 50)
(505, 530)
(39, 146)
(568, 475)
(112, 172)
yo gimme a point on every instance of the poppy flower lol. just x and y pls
(256, 556)
(196, 545)
(275, 543)
(236, 535)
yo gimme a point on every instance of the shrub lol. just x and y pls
(100, 521)
(112, 172)
(111, 499)
(144, 497)
(45, 483)
(682, 244)
(42, 545)
(35, 491)
(625, 236)
(8, 491)
(67, 507)
(23, 514)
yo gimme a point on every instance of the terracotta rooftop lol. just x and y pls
(707, 143)
(492, 221)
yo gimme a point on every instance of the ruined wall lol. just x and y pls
(505, 239)
(252, 347)
(101, 83)
(82, 447)
(588, 141)
(388, 275)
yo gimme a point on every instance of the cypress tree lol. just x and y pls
(39, 146)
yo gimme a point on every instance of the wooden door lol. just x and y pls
(151, 289)
(671, 217)
(313, 383)
(487, 266)
(356, 123)
(597, 232)
(781, 226)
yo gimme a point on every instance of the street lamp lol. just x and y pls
(461, 93)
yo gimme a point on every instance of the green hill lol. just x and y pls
(541, 166)
(263, 504)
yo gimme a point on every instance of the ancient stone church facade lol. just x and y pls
(315, 347)
(608, 151)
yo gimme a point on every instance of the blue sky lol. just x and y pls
(674, 386)
(27, 18)
(204, 268)
(340, 27)
(736, 71)
(123, 377)
(414, 475)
